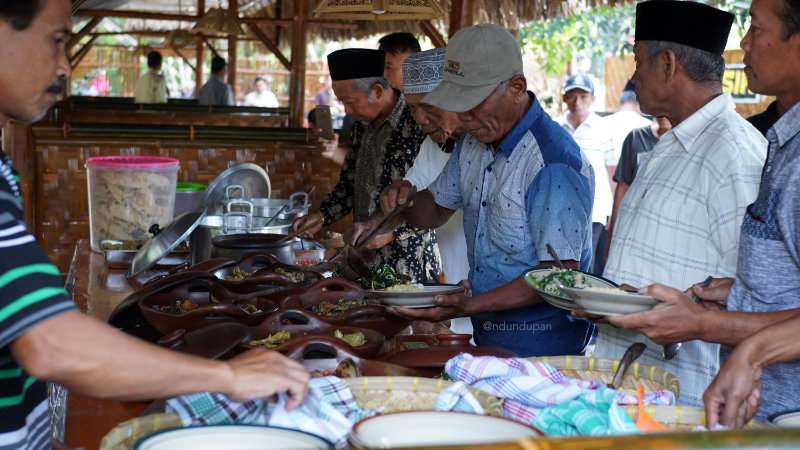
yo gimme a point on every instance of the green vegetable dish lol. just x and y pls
(565, 277)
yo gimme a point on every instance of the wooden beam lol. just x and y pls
(461, 15)
(200, 53)
(433, 34)
(77, 57)
(186, 60)
(190, 18)
(83, 32)
(134, 15)
(297, 77)
(270, 45)
(233, 6)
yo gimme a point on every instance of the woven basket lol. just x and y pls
(603, 369)
(126, 433)
(680, 418)
(389, 393)
(410, 393)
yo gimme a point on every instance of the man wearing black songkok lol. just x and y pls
(680, 220)
(386, 139)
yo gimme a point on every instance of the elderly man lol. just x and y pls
(597, 143)
(216, 91)
(152, 86)
(767, 276)
(43, 337)
(679, 221)
(521, 182)
(385, 142)
(422, 72)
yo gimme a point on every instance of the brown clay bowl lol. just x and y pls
(300, 325)
(211, 342)
(431, 360)
(374, 317)
(208, 312)
(127, 313)
(321, 354)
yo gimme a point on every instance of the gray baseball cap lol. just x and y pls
(477, 59)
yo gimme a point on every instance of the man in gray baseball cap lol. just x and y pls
(521, 182)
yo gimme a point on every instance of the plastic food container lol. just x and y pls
(128, 195)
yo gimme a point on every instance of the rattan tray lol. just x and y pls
(602, 369)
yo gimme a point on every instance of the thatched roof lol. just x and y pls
(508, 13)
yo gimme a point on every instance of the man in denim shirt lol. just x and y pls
(522, 183)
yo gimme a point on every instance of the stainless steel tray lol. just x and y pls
(122, 259)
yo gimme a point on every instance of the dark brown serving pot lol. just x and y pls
(374, 317)
(301, 324)
(128, 314)
(210, 342)
(208, 312)
(431, 360)
(320, 354)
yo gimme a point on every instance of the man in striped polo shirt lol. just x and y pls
(42, 335)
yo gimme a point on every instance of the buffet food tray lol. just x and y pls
(122, 259)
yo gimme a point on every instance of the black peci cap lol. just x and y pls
(684, 22)
(352, 63)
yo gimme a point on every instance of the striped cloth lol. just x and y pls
(537, 394)
(329, 411)
(31, 292)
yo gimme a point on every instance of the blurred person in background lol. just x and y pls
(216, 92)
(152, 86)
(262, 95)
(626, 119)
(595, 141)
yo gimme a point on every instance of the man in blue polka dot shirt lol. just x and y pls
(522, 183)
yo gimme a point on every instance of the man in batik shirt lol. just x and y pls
(385, 142)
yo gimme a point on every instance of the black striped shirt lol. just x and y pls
(31, 292)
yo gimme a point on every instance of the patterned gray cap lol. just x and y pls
(423, 71)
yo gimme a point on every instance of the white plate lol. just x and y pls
(556, 300)
(434, 428)
(416, 299)
(230, 437)
(785, 419)
(610, 303)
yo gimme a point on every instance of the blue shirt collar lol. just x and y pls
(509, 143)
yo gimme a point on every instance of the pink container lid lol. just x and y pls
(132, 161)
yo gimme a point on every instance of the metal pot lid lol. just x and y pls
(251, 177)
(167, 239)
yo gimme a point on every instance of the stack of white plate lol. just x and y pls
(436, 428)
(230, 437)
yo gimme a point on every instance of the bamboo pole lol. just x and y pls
(272, 46)
(297, 79)
(191, 18)
(433, 34)
(83, 32)
(233, 6)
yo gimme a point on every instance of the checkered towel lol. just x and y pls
(329, 410)
(533, 388)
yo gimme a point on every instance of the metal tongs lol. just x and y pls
(357, 259)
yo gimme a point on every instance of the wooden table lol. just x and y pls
(97, 290)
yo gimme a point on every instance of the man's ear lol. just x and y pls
(518, 88)
(377, 91)
(669, 64)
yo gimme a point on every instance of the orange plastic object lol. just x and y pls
(644, 422)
